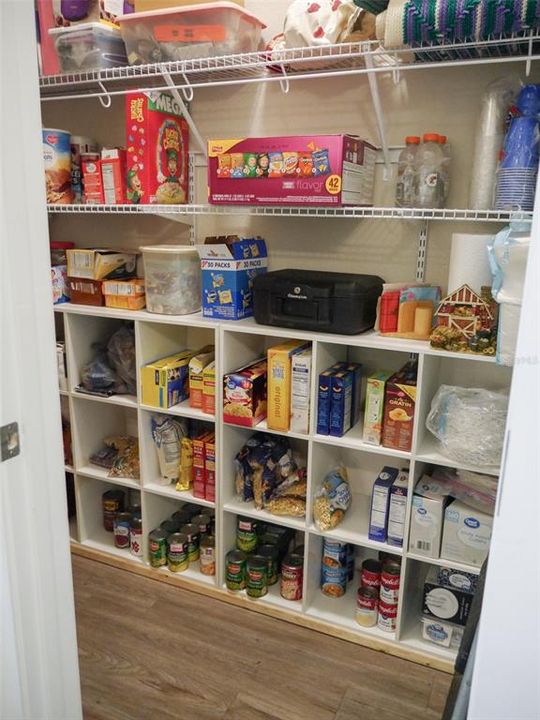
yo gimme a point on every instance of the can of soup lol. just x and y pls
(57, 162)
(122, 523)
(292, 573)
(366, 606)
(371, 574)
(157, 547)
(387, 617)
(257, 576)
(112, 502)
(390, 578)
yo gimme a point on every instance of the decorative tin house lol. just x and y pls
(466, 311)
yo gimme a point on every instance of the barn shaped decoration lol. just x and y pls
(466, 321)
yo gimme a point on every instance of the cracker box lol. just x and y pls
(324, 402)
(300, 390)
(397, 510)
(209, 389)
(374, 410)
(427, 514)
(165, 382)
(466, 534)
(380, 503)
(244, 394)
(329, 170)
(113, 175)
(229, 265)
(157, 169)
(279, 360)
(341, 386)
(196, 369)
(399, 405)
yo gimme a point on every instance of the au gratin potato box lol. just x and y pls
(329, 170)
(157, 140)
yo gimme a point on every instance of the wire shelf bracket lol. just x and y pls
(421, 253)
(187, 92)
(379, 115)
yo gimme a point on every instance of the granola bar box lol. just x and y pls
(323, 170)
(157, 138)
(244, 394)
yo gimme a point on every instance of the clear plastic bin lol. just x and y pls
(181, 33)
(90, 46)
(172, 279)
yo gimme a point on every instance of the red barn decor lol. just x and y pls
(466, 321)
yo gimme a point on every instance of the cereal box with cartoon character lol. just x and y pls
(157, 140)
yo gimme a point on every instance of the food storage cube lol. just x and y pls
(172, 279)
(181, 33)
(91, 46)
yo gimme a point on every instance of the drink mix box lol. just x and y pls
(279, 360)
(331, 170)
(157, 169)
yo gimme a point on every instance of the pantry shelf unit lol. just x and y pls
(286, 65)
(351, 212)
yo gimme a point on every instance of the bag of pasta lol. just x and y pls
(332, 499)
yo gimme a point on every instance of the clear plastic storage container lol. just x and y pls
(172, 279)
(90, 46)
(181, 33)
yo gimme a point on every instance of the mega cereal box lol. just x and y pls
(157, 140)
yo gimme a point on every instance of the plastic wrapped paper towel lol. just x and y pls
(469, 262)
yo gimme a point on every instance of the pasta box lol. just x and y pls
(229, 267)
(331, 170)
(157, 170)
(244, 394)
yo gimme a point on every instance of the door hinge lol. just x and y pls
(9, 441)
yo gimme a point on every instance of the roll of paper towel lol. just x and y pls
(469, 264)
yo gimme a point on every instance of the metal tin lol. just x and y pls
(181, 516)
(207, 560)
(112, 502)
(177, 552)
(292, 573)
(170, 526)
(135, 536)
(235, 570)
(334, 570)
(157, 547)
(203, 522)
(387, 617)
(351, 552)
(366, 606)
(257, 576)
(194, 538)
(271, 553)
(371, 574)
(390, 580)
(246, 534)
(122, 523)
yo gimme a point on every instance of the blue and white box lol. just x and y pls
(340, 410)
(380, 503)
(356, 402)
(324, 402)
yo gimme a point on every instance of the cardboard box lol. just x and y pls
(356, 397)
(466, 534)
(229, 266)
(157, 169)
(341, 385)
(301, 390)
(427, 516)
(380, 503)
(209, 389)
(92, 182)
(244, 394)
(196, 369)
(279, 383)
(329, 170)
(374, 410)
(399, 407)
(113, 174)
(324, 402)
(165, 382)
(441, 633)
(448, 577)
(445, 603)
(398, 509)
(101, 264)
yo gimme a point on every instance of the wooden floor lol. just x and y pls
(151, 651)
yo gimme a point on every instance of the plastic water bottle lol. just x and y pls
(405, 187)
(447, 157)
(429, 180)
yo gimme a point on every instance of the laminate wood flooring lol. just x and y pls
(149, 651)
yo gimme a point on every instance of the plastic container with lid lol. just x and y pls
(90, 46)
(172, 279)
(406, 175)
(193, 31)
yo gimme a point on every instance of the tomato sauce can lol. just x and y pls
(257, 576)
(292, 574)
(371, 574)
(122, 523)
(177, 552)
(194, 538)
(235, 570)
(366, 606)
(157, 547)
(390, 579)
(387, 617)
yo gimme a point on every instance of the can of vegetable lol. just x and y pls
(177, 552)
(257, 576)
(170, 526)
(193, 538)
(203, 522)
(207, 559)
(270, 552)
(246, 534)
(122, 523)
(299, 551)
(350, 561)
(235, 570)
(292, 573)
(181, 517)
(112, 502)
(135, 536)
(157, 547)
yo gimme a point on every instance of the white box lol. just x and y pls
(398, 509)
(466, 534)
(300, 391)
(441, 632)
(427, 515)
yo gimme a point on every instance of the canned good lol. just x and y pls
(193, 538)
(112, 502)
(271, 553)
(246, 534)
(203, 522)
(390, 579)
(122, 523)
(170, 526)
(371, 574)
(157, 547)
(181, 517)
(387, 617)
(334, 570)
(257, 576)
(177, 552)
(135, 536)
(299, 550)
(207, 559)
(134, 509)
(235, 570)
(292, 573)
(366, 606)
(191, 508)
(351, 551)
(57, 164)
(80, 146)
(336, 552)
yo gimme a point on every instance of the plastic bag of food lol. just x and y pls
(332, 499)
(185, 475)
(287, 505)
(121, 357)
(474, 489)
(167, 434)
(97, 376)
(126, 464)
(469, 424)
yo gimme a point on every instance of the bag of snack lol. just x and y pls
(332, 499)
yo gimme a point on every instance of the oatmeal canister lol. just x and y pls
(387, 617)
(177, 552)
(366, 606)
(122, 524)
(157, 547)
(57, 163)
(235, 570)
(292, 572)
(257, 576)
(207, 560)
(113, 503)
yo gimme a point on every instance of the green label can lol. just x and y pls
(235, 570)
(271, 554)
(177, 552)
(246, 535)
(191, 531)
(157, 548)
(257, 576)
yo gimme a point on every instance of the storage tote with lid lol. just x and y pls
(90, 46)
(172, 279)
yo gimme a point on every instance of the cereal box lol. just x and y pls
(209, 389)
(380, 503)
(341, 387)
(279, 383)
(157, 139)
(324, 402)
(196, 368)
(229, 266)
(92, 182)
(356, 398)
(165, 382)
(244, 394)
(399, 404)
(330, 170)
(300, 390)
(374, 410)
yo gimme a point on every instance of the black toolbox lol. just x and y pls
(340, 303)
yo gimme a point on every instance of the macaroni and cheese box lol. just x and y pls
(244, 394)
(157, 169)
(229, 266)
(196, 381)
(324, 402)
(330, 170)
(374, 410)
(399, 404)
(341, 387)
(209, 389)
(279, 383)
(165, 382)
(380, 503)
(300, 390)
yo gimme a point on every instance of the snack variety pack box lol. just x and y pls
(165, 382)
(297, 170)
(244, 394)
(157, 140)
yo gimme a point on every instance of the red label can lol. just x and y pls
(371, 574)
(292, 572)
(387, 617)
(390, 578)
